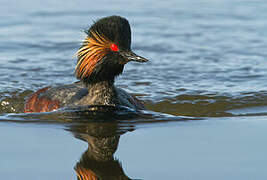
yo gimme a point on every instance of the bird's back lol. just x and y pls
(79, 94)
(52, 98)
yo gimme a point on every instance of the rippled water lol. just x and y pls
(204, 87)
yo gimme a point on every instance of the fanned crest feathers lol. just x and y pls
(93, 49)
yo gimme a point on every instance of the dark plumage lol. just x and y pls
(102, 56)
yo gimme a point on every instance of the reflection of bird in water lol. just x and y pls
(89, 168)
(98, 162)
(102, 56)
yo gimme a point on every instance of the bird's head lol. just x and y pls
(105, 51)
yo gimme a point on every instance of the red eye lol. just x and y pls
(114, 47)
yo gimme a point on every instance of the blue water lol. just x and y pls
(204, 88)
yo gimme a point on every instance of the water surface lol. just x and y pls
(204, 88)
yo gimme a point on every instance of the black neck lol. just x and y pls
(104, 72)
(101, 93)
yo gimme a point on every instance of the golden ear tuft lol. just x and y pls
(93, 49)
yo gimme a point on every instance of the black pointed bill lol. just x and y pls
(131, 56)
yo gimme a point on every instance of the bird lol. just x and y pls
(100, 59)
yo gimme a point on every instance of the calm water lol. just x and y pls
(205, 88)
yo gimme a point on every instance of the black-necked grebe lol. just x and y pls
(102, 56)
